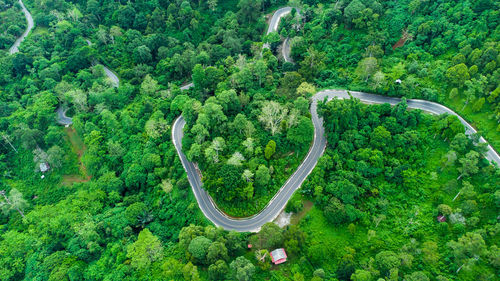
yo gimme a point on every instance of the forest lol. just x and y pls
(398, 194)
(12, 23)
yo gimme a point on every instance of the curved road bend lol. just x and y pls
(273, 26)
(278, 202)
(272, 210)
(285, 50)
(61, 112)
(15, 47)
(428, 106)
(115, 82)
(62, 118)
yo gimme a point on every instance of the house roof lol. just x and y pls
(441, 218)
(278, 256)
(44, 167)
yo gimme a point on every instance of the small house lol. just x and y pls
(278, 256)
(441, 218)
(44, 167)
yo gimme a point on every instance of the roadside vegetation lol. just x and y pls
(249, 136)
(12, 22)
(398, 195)
(450, 52)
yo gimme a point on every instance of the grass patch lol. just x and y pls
(484, 120)
(78, 148)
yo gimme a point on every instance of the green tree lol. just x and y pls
(218, 270)
(417, 276)
(242, 269)
(133, 212)
(270, 236)
(361, 275)
(313, 63)
(320, 272)
(142, 54)
(469, 248)
(12, 202)
(469, 164)
(386, 261)
(270, 149)
(302, 133)
(149, 86)
(353, 10)
(430, 253)
(262, 176)
(458, 74)
(190, 272)
(15, 249)
(146, 250)
(217, 251)
(199, 248)
(306, 89)
(380, 138)
(249, 10)
(200, 133)
(335, 211)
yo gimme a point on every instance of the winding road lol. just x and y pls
(61, 116)
(115, 81)
(61, 110)
(278, 202)
(15, 47)
(273, 26)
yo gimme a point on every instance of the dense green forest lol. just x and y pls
(116, 204)
(248, 144)
(12, 22)
(444, 51)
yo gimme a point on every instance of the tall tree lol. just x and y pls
(14, 201)
(249, 10)
(242, 269)
(262, 176)
(469, 164)
(272, 115)
(146, 250)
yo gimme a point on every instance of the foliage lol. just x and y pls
(108, 208)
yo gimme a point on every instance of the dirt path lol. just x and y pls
(78, 148)
(297, 217)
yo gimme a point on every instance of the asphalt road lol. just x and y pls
(187, 86)
(428, 106)
(275, 21)
(62, 118)
(115, 82)
(285, 50)
(15, 47)
(278, 203)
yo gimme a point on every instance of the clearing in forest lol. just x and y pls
(78, 147)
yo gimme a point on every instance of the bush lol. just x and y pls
(295, 204)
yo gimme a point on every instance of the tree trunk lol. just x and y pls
(5, 138)
(466, 102)
(10, 203)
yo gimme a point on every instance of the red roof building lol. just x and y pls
(441, 218)
(278, 256)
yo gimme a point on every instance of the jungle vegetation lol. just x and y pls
(116, 203)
